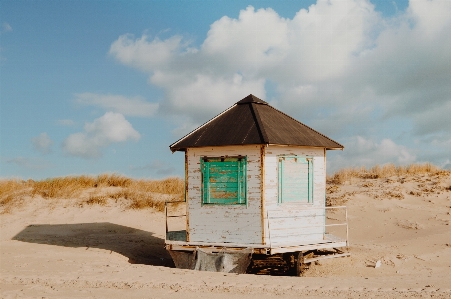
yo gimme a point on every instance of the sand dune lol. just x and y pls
(63, 249)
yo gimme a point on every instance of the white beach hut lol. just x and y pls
(255, 178)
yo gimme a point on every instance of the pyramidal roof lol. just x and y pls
(253, 121)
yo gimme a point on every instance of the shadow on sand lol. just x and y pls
(140, 247)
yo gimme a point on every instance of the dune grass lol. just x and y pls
(139, 194)
(384, 171)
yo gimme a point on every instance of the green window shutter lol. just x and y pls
(223, 180)
(295, 179)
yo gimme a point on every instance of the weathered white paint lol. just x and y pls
(288, 223)
(294, 223)
(225, 223)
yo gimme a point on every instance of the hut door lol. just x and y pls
(295, 179)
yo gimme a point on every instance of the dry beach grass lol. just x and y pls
(384, 171)
(136, 194)
(388, 180)
(103, 236)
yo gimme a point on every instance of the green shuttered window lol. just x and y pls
(223, 180)
(295, 179)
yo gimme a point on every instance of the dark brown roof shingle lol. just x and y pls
(253, 121)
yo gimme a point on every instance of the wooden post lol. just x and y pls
(166, 219)
(347, 228)
(186, 195)
(262, 190)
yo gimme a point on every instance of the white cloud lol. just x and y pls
(431, 17)
(135, 106)
(255, 38)
(142, 54)
(334, 53)
(360, 151)
(201, 96)
(338, 64)
(102, 132)
(42, 143)
(239, 55)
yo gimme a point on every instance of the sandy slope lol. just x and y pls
(58, 249)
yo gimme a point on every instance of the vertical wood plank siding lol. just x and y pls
(262, 192)
(290, 222)
(225, 223)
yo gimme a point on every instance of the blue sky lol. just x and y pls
(89, 87)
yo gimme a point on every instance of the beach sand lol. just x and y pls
(62, 248)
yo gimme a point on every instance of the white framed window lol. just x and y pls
(295, 179)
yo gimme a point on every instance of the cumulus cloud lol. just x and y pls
(199, 96)
(407, 68)
(144, 54)
(42, 143)
(339, 64)
(111, 128)
(316, 45)
(134, 106)
(331, 55)
(360, 151)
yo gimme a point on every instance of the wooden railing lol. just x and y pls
(312, 229)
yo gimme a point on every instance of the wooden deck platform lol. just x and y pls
(177, 241)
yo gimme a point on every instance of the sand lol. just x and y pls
(64, 249)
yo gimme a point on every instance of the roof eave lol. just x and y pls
(335, 148)
(183, 149)
(198, 128)
(178, 149)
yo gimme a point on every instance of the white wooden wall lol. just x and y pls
(225, 223)
(294, 223)
(288, 223)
